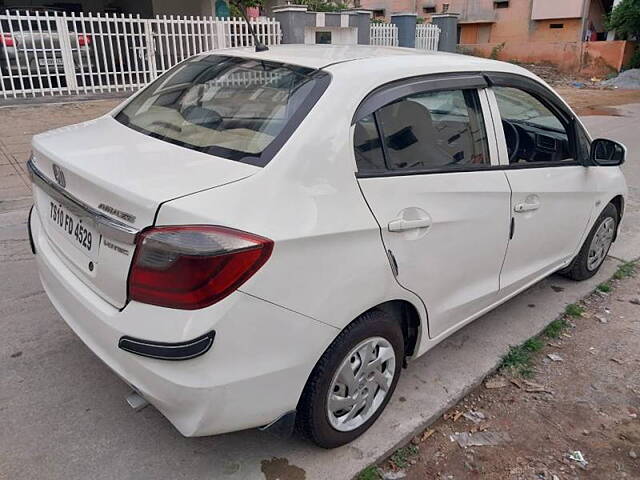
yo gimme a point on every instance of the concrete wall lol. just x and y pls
(606, 57)
(566, 55)
(590, 58)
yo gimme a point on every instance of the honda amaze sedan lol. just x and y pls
(265, 239)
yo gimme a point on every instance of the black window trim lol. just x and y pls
(392, 91)
(389, 92)
(322, 80)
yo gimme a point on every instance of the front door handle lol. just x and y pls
(526, 206)
(402, 225)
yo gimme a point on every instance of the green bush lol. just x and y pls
(495, 51)
(634, 61)
(625, 19)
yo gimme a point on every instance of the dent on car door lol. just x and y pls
(423, 165)
(553, 195)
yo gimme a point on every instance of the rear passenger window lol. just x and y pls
(435, 130)
(367, 146)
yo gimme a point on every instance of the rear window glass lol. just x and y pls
(236, 108)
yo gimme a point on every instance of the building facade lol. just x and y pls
(567, 33)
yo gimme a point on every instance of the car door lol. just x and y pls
(424, 159)
(553, 195)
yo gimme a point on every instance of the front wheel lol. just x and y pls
(353, 381)
(595, 247)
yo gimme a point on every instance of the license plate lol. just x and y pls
(50, 61)
(80, 231)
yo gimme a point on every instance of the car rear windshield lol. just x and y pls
(237, 108)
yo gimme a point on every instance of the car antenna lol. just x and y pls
(260, 47)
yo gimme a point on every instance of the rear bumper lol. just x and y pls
(253, 373)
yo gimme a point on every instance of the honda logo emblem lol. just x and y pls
(59, 176)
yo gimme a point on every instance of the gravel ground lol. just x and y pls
(629, 79)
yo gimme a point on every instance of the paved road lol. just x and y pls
(62, 412)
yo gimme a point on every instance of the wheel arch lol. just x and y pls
(410, 321)
(618, 202)
(410, 318)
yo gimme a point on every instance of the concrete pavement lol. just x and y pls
(63, 413)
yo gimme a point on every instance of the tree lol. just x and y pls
(324, 5)
(625, 19)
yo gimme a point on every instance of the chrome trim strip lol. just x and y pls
(107, 226)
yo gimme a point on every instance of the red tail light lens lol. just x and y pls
(84, 40)
(6, 40)
(193, 266)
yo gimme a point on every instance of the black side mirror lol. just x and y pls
(607, 153)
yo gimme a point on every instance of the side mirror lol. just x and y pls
(607, 153)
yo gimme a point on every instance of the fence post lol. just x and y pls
(219, 25)
(406, 23)
(67, 55)
(292, 20)
(448, 24)
(149, 39)
(362, 21)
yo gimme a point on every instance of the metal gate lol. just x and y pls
(44, 53)
(386, 34)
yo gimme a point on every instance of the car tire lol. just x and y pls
(373, 333)
(595, 247)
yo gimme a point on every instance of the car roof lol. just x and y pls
(323, 56)
(317, 56)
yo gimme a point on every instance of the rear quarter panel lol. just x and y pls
(328, 261)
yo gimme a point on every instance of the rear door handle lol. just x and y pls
(526, 207)
(402, 225)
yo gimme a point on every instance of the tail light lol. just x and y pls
(193, 266)
(6, 40)
(84, 40)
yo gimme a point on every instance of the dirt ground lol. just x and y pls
(593, 101)
(587, 95)
(587, 401)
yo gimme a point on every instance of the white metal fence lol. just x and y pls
(427, 36)
(44, 53)
(386, 34)
(383, 34)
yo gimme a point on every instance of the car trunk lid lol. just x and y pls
(98, 183)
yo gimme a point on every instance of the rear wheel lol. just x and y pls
(595, 247)
(353, 381)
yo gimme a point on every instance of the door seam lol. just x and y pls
(384, 246)
(511, 218)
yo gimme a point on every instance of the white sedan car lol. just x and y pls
(265, 239)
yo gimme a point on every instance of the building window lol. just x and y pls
(378, 13)
(501, 4)
(556, 25)
(429, 9)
